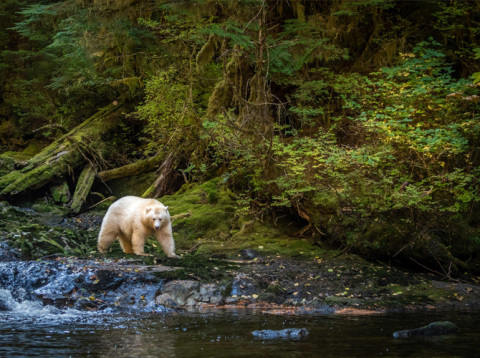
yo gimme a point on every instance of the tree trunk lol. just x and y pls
(167, 176)
(83, 143)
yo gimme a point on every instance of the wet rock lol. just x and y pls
(24, 278)
(248, 254)
(211, 294)
(83, 284)
(8, 254)
(231, 300)
(86, 304)
(187, 293)
(288, 333)
(167, 300)
(6, 300)
(100, 280)
(433, 329)
(244, 285)
(57, 292)
(182, 293)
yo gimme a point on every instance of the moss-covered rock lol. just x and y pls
(60, 192)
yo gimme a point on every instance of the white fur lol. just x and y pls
(132, 219)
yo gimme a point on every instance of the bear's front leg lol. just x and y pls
(138, 243)
(165, 238)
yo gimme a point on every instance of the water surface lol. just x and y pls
(32, 330)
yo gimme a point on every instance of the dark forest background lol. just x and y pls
(358, 120)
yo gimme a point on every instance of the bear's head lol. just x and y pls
(156, 216)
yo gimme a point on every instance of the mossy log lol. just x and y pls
(70, 151)
(139, 167)
(83, 187)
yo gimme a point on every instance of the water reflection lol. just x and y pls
(138, 343)
(49, 332)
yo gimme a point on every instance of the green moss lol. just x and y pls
(275, 289)
(133, 185)
(33, 148)
(212, 213)
(60, 193)
(35, 237)
(211, 191)
(7, 177)
(15, 156)
(214, 227)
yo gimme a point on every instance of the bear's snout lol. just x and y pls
(157, 224)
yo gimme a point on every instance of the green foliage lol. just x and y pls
(73, 58)
(169, 113)
(356, 116)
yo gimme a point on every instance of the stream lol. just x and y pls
(29, 329)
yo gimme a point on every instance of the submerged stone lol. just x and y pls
(288, 333)
(433, 329)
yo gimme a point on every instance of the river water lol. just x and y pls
(29, 329)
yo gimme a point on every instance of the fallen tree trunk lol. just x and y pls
(139, 167)
(82, 144)
(84, 184)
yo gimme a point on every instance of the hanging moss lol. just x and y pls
(231, 89)
(206, 54)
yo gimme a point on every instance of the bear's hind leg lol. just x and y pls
(105, 239)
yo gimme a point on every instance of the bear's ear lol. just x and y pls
(147, 209)
(166, 208)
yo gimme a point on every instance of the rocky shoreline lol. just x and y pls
(276, 285)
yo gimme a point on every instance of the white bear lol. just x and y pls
(132, 219)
